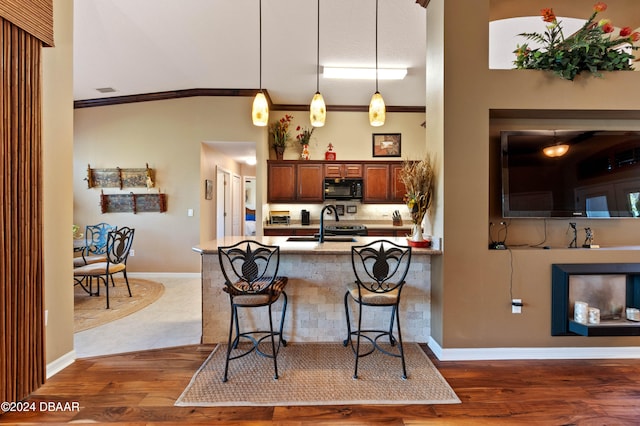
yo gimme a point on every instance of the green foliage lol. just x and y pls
(592, 48)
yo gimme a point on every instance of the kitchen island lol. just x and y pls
(318, 273)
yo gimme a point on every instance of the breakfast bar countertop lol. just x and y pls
(314, 247)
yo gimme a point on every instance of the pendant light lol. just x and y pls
(557, 149)
(377, 109)
(318, 109)
(260, 110)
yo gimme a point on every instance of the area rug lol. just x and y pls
(317, 374)
(91, 311)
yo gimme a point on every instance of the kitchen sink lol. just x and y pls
(327, 239)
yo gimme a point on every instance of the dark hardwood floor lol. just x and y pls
(141, 388)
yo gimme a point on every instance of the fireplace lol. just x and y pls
(610, 288)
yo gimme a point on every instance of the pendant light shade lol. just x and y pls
(318, 109)
(260, 109)
(377, 109)
(557, 149)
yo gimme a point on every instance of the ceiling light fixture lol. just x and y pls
(318, 109)
(557, 149)
(354, 73)
(377, 109)
(260, 109)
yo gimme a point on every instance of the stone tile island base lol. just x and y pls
(318, 274)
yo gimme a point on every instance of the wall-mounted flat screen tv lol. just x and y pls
(572, 173)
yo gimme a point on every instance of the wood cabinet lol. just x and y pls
(295, 182)
(343, 170)
(298, 181)
(382, 183)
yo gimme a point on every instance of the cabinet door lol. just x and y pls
(281, 183)
(352, 170)
(398, 190)
(333, 170)
(376, 183)
(310, 183)
(382, 233)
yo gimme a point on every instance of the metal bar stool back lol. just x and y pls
(250, 271)
(380, 269)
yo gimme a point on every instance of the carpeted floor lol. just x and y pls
(317, 374)
(90, 311)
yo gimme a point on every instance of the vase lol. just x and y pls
(416, 234)
(305, 152)
(279, 152)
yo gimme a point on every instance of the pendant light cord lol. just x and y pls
(376, 45)
(260, 29)
(318, 53)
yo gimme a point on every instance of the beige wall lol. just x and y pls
(471, 298)
(168, 135)
(57, 138)
(172, 136)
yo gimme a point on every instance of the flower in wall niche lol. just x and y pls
(594, 47)
(305, 135)
(280, 131)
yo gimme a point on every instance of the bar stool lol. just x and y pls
(380, 268)
(250, 271)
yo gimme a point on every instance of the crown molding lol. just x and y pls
(176, 94)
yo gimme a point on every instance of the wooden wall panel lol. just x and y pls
(33, 16)
(22, 360)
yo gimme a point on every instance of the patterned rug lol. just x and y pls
(317, 374)
(91, 311)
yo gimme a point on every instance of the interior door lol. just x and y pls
(237, 201)
(223, 203)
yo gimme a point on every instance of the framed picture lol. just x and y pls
(340, 209)
(386, 144)
(352, 209)
(208, 189)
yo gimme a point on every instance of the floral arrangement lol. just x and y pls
(418, 179)
(280, 131)
(305, 135)
(592, 48)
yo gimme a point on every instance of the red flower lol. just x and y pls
(607, 28)
(635, 36)
(600, 7)
(625, 31)
(548, 15)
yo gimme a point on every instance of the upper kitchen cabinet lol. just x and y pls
(382, 183)
(294, 182)
(343, 170)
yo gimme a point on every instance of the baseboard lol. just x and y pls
(164, 274)
(61, 363)
(485, 354)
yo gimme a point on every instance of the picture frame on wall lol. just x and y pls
(208, 189)
(387, 145)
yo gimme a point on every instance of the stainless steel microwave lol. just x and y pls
(342, 189)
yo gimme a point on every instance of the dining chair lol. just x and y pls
(380, 269)
(117, 249)
(95, 244)
(250, 271)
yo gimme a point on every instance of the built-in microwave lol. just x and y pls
(342, 189)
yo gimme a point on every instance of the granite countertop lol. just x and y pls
(369, 224)
(308, 247)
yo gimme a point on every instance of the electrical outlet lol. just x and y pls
(132, 252)
(516, 306)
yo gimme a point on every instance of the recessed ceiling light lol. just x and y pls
(106, 89)
(351, 73)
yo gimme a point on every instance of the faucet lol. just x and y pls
(329, 208)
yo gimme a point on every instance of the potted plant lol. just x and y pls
(594, 47)
(418, 179)
(280, 133)
(303, 138)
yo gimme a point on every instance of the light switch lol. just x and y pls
(190, 212)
